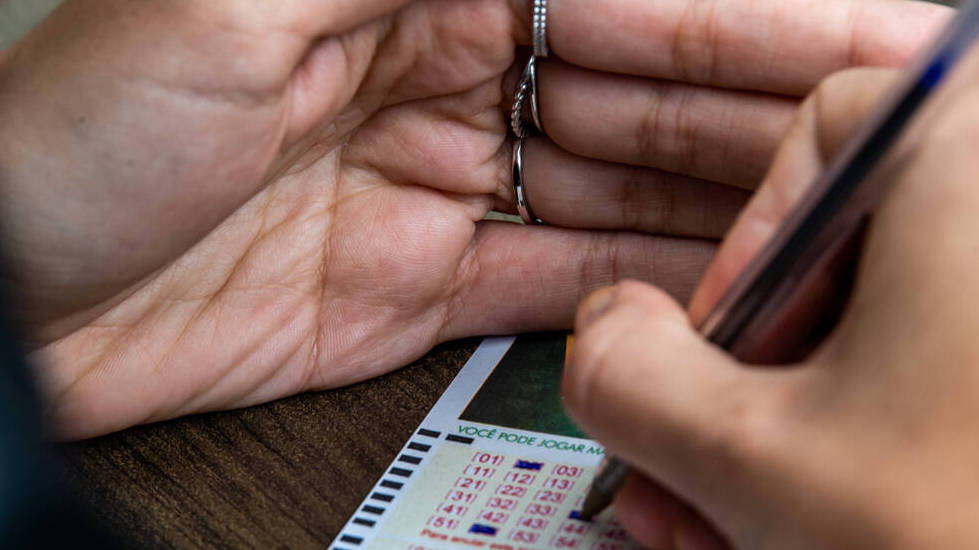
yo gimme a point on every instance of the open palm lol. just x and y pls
(265, 199)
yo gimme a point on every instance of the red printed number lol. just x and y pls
(550, 496)
(574, 528)
(442, 522)
(488, 458)
(461, 496)
(491, 516)
(501, 503)
(532, 523)
(524, 536)
(567, 471)
(470, 483)
(521, 478)
(479, 471)
(563, 541)
(540, 509)
(559, 483)
(452, 509)
(511, 491)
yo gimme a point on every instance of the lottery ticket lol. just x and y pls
(496, 464)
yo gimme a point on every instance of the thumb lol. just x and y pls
(680, 410)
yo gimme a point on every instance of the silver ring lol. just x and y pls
(526, 90)
(540, 28)
(519, 191)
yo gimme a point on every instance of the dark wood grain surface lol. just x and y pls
(282, 475)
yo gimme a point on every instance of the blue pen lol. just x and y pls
(750, 320)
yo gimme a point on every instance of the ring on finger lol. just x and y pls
(540, 28)
(520, 189)
(526, 99)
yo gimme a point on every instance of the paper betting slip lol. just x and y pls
(496, 464)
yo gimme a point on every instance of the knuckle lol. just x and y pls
(634, 210)
(648, 128)
(669, 129)
(696, 42)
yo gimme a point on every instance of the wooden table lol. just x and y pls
(283, 475)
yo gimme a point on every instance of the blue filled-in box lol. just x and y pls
(480, 529)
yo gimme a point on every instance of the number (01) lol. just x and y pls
(488, 458)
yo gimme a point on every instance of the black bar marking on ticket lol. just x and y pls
(351, 539)
(420, 447)
(459, 439)
(372, 510)
(382, 497)
(410, 459)
(400, 472)
(364, 522)
(392, 484)
(429, 433)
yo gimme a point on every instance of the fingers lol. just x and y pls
(657, 519)
(777, 46)
(642, 381)
(526, 278)
(572, 191)
(310, 18)
(453, 143)
(826, 120)
(719, 135)
(459, 141)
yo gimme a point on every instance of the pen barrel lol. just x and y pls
(611, 476)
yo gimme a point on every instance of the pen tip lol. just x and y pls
(595, 502)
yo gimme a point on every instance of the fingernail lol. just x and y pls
(595, 306)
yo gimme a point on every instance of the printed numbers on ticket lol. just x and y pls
(496, 464)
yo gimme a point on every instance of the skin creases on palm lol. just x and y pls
(345, 264)
(258, 201)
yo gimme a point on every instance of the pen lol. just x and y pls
(819, 235)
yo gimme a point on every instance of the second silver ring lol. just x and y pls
(520, 189)
(527, 99)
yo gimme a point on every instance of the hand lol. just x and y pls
(215, 204)
(870, 442)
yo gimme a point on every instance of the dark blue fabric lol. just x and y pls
(35, 512)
